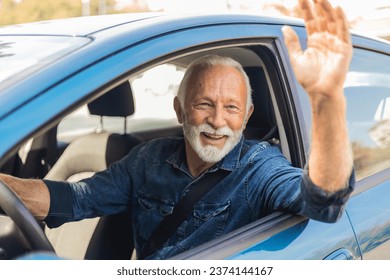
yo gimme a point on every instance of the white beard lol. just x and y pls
(209, 153)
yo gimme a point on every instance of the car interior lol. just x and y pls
(46, 157)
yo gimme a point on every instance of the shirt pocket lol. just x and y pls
(212, 217)
(152, 210)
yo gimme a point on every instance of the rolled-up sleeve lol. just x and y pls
(320, 205)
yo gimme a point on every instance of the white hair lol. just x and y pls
(205, 62)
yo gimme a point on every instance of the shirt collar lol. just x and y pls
(230, 162)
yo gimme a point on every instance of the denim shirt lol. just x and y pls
(154, 176)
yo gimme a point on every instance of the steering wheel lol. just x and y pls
(24, 220)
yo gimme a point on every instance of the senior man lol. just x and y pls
(214, 105)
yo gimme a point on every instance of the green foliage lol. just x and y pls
(13, 12)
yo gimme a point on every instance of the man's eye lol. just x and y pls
(232, 107)
(203, 105)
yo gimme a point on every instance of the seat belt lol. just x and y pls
(182, 210)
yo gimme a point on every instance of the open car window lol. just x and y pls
(153, 92)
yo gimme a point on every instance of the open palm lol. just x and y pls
(322, 67)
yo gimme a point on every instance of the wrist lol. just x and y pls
(332, 102)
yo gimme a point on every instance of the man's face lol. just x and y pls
(215, 112)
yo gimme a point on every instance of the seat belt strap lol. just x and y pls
(182, 210)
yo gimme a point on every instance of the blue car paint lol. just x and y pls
(369, 212)
(294, 242)
(306, 239)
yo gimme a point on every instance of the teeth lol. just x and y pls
(214, 136)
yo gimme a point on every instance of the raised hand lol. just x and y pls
(322, 67)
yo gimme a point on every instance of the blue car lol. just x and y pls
(77, 94)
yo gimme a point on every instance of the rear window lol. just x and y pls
(21, 55)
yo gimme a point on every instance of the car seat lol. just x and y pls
(262, 123)
(110, 237)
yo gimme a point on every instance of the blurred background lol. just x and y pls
(369, 17)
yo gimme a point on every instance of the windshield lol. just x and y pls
(22, 55)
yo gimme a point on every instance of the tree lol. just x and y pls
(13, 12)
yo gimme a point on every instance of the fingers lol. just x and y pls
(326, 17)
(308, 16)
(322, 17)
(292, 42)
(342, 26)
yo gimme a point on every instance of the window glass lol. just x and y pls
(367, 90)
(153, 92)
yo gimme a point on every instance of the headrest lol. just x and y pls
(118, 102)
(262, 124)
(263, 113)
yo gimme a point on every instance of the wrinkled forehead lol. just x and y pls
(214, 79)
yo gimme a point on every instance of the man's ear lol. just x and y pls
(249, 114)
(178, 109)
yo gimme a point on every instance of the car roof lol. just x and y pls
(86, 26)
(77, 26)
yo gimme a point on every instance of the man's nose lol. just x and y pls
(217, 118)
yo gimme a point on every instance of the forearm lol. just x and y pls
(331, 161)
(32, 192)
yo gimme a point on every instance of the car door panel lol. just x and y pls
(369, 212)
(306, 240)
(282, 236)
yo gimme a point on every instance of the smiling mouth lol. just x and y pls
(213, 136)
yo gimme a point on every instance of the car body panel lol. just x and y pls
(283, 236)
(369, 212)
(293, 242)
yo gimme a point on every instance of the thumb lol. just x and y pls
(292, 42)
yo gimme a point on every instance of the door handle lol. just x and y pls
(341, 254)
